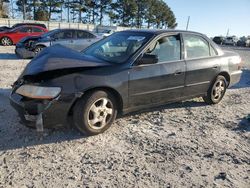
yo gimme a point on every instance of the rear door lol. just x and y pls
(161, 82)
(202, 64)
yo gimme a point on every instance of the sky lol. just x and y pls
(213, 17)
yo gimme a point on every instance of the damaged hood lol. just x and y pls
(58, 57)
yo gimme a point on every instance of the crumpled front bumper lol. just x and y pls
(24, 53)
(42, 113)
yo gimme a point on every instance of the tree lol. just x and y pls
(23, 6)
(124, 12)
(50, 6)
(104, 8)
(4, 9)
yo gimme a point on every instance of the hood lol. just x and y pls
(58, 57)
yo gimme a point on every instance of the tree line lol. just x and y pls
(127, 13)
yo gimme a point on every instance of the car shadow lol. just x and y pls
(244, 80)
(8, 56)
(244, 125)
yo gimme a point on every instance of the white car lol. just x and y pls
(231, 40)
(106, 33)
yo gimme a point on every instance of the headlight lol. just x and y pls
(38, 92)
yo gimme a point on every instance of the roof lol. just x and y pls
(160, 31)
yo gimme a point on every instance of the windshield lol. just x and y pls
(118, 47)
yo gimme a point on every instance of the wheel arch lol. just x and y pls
(116, 94)
(226, 75)
(42, 45)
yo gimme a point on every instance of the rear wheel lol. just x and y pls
(95, 112)
(6, 41)
(216, 91)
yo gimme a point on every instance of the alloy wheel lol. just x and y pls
(6, 41)
(218, 90)
(100, 113)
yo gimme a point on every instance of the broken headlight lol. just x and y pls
(38, 92)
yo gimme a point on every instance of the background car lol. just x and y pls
(72, 38)
(248, 41)
(13, 36)
(5, 28)
(106, 33)
(219, 40)
(231, 41)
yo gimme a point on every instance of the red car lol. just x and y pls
(13, 36)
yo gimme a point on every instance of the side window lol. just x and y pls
(64, 35)
(213, 52)
(37, 30)
(196, 47)
(167, 48)
(84, 35)
(25, 30)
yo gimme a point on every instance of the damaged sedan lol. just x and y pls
(75, 39)
(127, 71)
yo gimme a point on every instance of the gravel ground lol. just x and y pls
(187, 144)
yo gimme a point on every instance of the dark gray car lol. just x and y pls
(72, 38)
(127, 71)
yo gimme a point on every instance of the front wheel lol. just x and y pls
(38, 49)
(95, 112)
(216, 91)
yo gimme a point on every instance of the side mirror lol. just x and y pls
(148, 59)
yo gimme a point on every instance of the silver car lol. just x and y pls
(75, 39)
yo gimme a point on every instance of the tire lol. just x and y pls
(216, 91)
(94, 113)
(6, 41)
(38, 49)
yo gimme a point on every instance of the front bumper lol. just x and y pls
(24, 53)
(235, 78)
(42, 113)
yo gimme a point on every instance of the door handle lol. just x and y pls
(178, 72)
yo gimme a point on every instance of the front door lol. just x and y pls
(162, 82)
(65, 38)
(23, 32)
(83, 40)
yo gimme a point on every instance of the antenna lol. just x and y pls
(188, 22)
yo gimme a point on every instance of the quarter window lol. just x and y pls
(196, 47)
(212, 51)
(167, 48)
